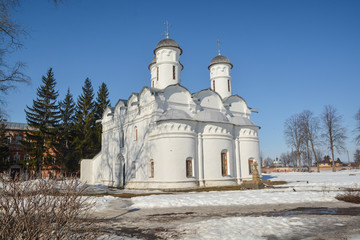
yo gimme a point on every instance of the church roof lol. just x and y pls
(220, 59)
(175, 114)
(167, 42)
(241, 121)
(210, 115)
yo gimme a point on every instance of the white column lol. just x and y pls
(200, 161)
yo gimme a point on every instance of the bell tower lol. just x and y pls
(165, 68)
(220, 78)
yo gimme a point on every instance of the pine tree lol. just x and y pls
(67, 132)
(85, 123)
(43, 118)
(102, 102)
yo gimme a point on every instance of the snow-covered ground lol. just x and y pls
(300, 188)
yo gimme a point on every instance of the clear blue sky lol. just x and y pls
(288, 55)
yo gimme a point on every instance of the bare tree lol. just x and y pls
(293, 135)
(10, 35)
(357, 157)
(310, 126)
(357, 130)
(334, 134)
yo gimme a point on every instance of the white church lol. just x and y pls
(168, 138)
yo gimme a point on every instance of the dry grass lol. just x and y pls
(351, 195)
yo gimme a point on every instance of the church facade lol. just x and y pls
(167, 138)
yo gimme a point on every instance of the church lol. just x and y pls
(168, 138)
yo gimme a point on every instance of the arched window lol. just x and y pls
(213, 85)
(135, 134)
(152, 168)
(173, 72)
(157, 74)
(122, 143)
(133, 169)
(224, 163)
(189, 167)
(228, 85)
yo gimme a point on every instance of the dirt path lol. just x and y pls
(337, 220)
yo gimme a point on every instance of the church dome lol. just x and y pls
(167, 42)
(220, 59)
(152, 62)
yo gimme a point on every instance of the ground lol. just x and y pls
(304, 208)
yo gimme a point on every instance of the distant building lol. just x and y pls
(15, 133)
(328, 163)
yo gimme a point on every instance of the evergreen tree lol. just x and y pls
(67, 132)
(102, 102)
(43, 119)
(85, 140)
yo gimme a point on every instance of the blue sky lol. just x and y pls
(288, 55)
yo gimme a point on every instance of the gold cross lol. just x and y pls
(218, 42)
(167, 28)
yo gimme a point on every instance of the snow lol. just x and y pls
(300, 188)
(241, 228)
(309, 187)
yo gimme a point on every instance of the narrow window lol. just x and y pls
(214, 85)
(224, 168)
(228, 85)
(18, 140)
(157, 74)
(152, 169)
(152, 83)
(189, 168)
(251, 161)
(122, 139)
(133, 170)
(136, 134)
(8, 140)
(174, 72)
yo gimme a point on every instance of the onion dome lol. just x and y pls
(167, 42)
(220, 59)
(152, 62)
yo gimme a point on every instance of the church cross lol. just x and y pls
(167, 28)
(218, 42)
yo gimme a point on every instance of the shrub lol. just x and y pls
(350, 195)
(41, 208)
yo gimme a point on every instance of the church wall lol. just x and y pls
(213, 146)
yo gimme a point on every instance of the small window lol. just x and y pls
(16, 157)
(213, 85)
(157, 74)
(27, 157)
(228, 85)
(224, 164)
(122, 143)
(136, 134)
(189, 168)
(251, 162)
(8, 140)
(173, 72)
(152, 84)
(133, 169)
(18, 140)
(152, 169)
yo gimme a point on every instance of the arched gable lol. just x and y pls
(108, 114)
(121, 104)
(133, 101)
(237, 105)
(177, 94)
(145, 96)
(209, 99)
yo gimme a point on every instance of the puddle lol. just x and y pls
(353, 211)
